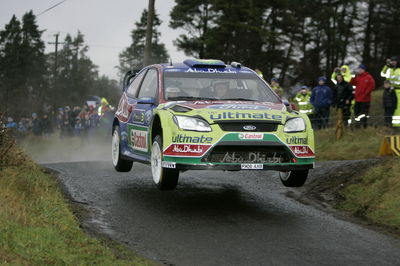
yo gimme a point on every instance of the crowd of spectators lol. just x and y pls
(68, 122)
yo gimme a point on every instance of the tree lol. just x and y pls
(196, 18)
(76, 71)
(132, 57)
(149, 33)
(22, 65)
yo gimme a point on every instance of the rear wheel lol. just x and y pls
(164, 178)
(293, 178)
(120, 164)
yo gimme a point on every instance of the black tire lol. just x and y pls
(164, 178)
(293, 178)
(120, 164)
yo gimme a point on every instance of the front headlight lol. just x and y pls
(295, 125)
(192, 123)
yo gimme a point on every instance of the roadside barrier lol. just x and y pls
(390, 146)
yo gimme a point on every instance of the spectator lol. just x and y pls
(259, 72)
(36, 125)
(60, 117)
(321, 99)
(365, 84)
(276, 87)
(11, 124)
(342, 96)
(66, 129)
(302, 100)
(344, 71)
(391, 71)
(78, 127)
(389, 102)
(46, 126)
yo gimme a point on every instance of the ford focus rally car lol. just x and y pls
(206, 115)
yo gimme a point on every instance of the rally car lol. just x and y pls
(207, 115)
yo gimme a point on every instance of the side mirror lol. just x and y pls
(147, 100)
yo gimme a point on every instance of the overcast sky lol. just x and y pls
(106, 24)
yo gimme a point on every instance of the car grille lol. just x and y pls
(247, 126)
(247, 154)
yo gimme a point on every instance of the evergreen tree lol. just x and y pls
(76, 72)
(196, 17)
(22, 65)
(132, 56)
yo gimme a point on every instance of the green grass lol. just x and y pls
(355, 144)
(37, 226)
(376, 194)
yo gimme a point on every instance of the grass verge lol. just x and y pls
(355, 144)
(37, 226)
(375, 195)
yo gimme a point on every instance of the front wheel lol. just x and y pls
(164, 178)
(293, 178)
(120, 164)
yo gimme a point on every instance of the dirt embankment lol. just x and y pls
(362, 191)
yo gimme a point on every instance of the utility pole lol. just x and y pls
(149, 33)
(55, 43)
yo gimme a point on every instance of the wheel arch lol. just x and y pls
(156, 128)
(115, 123)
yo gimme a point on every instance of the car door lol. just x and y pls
(142, 114)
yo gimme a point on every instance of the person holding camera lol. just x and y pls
(391, 71)
(344, 71)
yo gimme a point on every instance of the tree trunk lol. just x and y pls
(149, 33)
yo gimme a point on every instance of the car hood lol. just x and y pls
(213, 111)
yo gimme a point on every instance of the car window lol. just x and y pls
(217, 86)
(149, 85)
(133, 87)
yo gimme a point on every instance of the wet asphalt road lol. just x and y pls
(219, 218)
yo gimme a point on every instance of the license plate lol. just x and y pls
(251, 166)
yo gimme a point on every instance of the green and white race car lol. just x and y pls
(206, 115)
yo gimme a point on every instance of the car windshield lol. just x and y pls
(216, 86)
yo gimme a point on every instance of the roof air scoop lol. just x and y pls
(204, 63)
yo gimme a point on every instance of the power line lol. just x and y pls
(50, 8)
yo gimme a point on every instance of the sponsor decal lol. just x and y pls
(122, 111)
(139, 140)
(302, 151)
(238, 107)
(293, 140)
(240, 115)
(251, 136)
(211, 70)
(171, 165)
(193, 150)
(250, 166)
(251, 157)
(183, 138)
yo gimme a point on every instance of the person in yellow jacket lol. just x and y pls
(104, 107)
(345, 71)
(391, 71)
(302, 100)
(276, 87)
